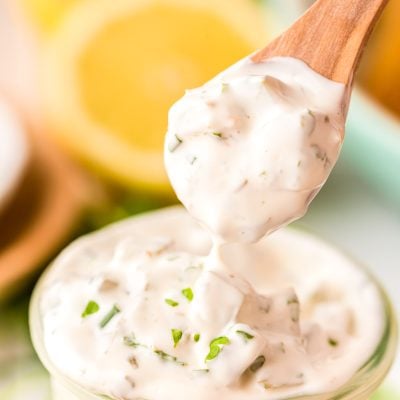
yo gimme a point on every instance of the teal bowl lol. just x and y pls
(372, 145)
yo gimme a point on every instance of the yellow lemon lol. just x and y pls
(113, 69)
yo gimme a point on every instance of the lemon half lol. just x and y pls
(113, 69)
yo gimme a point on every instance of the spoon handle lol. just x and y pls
(330, 37)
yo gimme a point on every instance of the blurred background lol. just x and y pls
(85, 86)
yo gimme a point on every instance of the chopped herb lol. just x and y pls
(257, 363)
(91, 308)
(308, 122)
(196, 337)
(246, 336)
(298, 163)
(176, 336)
(167, 357)
(188, 293)
(171, 302)
(193, 160)
(205, 370)
(292, 300)
(110, 315)
(199, 266)
(217, 134)
(224, 87)
(175, 144)
(214, 351)
(216, 346)
(332, 342)
(263, 173)
(131, 341)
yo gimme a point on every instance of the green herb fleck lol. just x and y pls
(188, 293)
(217, 134)
(247, 336)
(174, 145)
(292, 300)
(193, 160)
(216, 346)
(91, 308)
(110, 315)
(131, 341)
(332, 342)
(257, 363)
(196, 337)
(167, 357)
(171, 302)
(176, 336)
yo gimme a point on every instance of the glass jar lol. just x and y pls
(360, 387)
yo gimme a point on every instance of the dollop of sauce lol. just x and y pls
(132, 312)
(247, 152)
(159, 309)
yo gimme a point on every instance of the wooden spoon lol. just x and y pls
(330, 37)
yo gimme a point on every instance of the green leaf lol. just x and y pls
(91, 308)
(176, 336)
(247, 336)
(216, 346)
(220, 340)
(257, 363)
(188, 293)
(213, 353)
(131, 341)
(109, 316)
(333, 342)
(167, 357)
(196, 337)
(171, 302)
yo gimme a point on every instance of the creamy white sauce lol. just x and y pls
(153, 309)
(139, 263)
(248, 151)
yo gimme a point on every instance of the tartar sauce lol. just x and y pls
(248, 151)
(158, 308)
